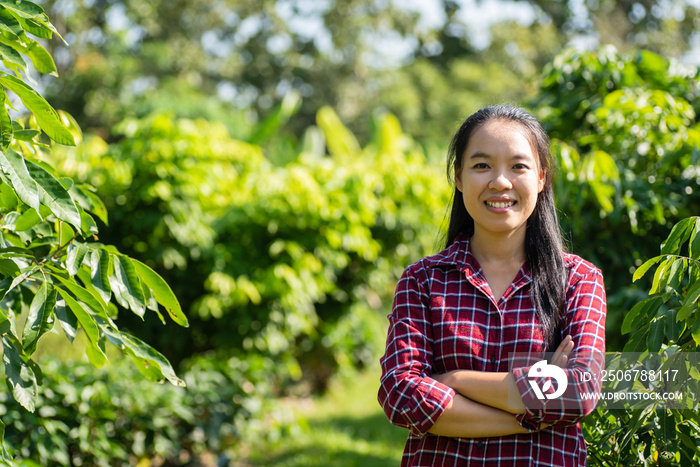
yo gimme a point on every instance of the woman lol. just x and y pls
(469, 323)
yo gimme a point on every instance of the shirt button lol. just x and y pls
(480, 444)
(493, 360)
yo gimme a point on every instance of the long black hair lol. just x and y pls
(543, 240)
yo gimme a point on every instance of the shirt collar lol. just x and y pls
(459, 255)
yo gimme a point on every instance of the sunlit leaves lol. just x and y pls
(19, 375)
(41, 317)
(47, 118)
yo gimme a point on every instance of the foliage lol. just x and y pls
(233, 61)
(667, 321)
(625, 131)
(50, 271)
(288, 258)
(110, 417)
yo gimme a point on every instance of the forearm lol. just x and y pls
(494, 389)
(465, 418)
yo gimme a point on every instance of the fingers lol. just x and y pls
(561, 355)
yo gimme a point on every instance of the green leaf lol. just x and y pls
(695, 240)
(6, 131)
(67, 320)
(75, 257)
(656, 334)
(19, 376)
(32, 18)
(9, 23)
(162, 291)
(661, 276)
(27, 220)
(85, 196)
(99, 273)
(8, 267)
(13, 165)
(696, 332)
(53, 195)
(689, 302)
(4, 455)
(151, 363)
(47, 118)
(40, 319)
(5, 323)
(641, 270)
(8, 198)
(672, 327)
(128, 284)
(676, 271)
(640, 313)
(41, 58)
(10, 55)
(95, 354)
(95, 303)
(87, 224)
(679, 234)
(26, 135)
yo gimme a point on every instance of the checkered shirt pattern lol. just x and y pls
(445, 318)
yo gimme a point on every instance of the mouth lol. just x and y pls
(500, 204)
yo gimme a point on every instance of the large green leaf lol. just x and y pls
(690, 302)
(9, 23)
(15, 168)
(99, 273)
(88, 200)
(47, 118)
(128, 284)
(19, 375)
(162, 291)
(31, 16)
(95, 353)
(10, 55)
(151, 363)
(41, 318)
(67, 320)
(54, 195)
(679, 234)
(95, 303)
(74, 258)
(694, 247)
(639, 313)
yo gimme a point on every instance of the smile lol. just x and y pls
(499, 204)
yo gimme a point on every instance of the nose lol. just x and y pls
(500, 182)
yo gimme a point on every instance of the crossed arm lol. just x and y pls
(486, 402)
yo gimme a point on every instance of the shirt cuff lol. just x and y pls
(431, 400)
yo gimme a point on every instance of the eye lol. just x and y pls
(520, 167)
(481, 166)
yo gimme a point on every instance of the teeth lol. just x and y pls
(500, 205)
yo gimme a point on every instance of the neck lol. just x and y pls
(498, 248)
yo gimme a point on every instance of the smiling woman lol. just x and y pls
(503, 286)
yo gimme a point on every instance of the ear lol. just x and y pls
(458, 179)
(542, 180)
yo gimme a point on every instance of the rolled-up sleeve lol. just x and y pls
(585, 323)
(409, 396)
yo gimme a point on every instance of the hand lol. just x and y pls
(561, 355)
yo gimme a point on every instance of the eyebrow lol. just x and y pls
(482, 155)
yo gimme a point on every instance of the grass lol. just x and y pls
(345, 427)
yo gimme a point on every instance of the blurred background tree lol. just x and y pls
(429, 62)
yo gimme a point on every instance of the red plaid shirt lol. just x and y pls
(446, 318)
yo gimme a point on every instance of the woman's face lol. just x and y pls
(500, 178)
